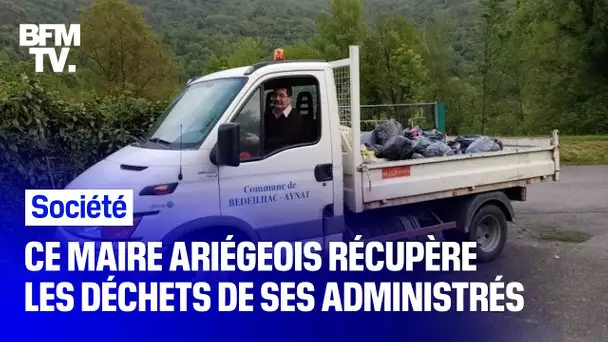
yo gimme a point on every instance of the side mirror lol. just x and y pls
(228, 149)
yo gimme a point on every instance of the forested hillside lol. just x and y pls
(505, 67)
(198, 29)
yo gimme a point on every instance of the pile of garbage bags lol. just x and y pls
(390, 141)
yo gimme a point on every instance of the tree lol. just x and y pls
(437, 53)
(444, 82)
(492, 16)
(302, 50)
(122, 53)
(343, 26)
(392, 71)
(246, 51)
(549, 68)
(513, 69)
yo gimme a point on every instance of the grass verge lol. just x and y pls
(584, 150)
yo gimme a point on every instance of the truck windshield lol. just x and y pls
(196, 109)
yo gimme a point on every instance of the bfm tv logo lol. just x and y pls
(35, 37)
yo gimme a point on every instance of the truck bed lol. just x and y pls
(522, 161)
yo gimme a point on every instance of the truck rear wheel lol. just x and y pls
(489, 229)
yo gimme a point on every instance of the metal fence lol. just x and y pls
(342, 80)
(407, 114)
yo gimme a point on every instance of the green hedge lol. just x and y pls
(45, 142)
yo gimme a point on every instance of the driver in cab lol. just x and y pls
(283, 125)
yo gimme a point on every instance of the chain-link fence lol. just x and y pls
(342, 80)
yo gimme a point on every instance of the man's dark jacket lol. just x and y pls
(283, 131)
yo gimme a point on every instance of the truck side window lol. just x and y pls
(291, 114)
(249, 120)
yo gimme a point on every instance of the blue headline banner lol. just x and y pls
(92, 286)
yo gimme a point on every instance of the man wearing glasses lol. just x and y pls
(283, 126)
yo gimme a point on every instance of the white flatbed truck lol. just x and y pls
(191, 183)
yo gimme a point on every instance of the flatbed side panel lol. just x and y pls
(542, 142)
(452, 193)
(394, 182)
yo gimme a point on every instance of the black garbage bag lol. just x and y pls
(394, 148)
(417, 156)
(500, 144)
(385, 131)
(438, 149)
(484, 144)
(366, 138)
(419, 144)
(466, 140)
(434, 135)
(455, 146)
(408, 150)
(377, 149)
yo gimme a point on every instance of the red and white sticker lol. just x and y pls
(396, 171)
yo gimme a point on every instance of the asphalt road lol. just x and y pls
(558, 249)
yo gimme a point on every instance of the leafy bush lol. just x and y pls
(45, 142)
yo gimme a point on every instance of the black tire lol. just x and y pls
(489, 228)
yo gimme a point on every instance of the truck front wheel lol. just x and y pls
(489, 229)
